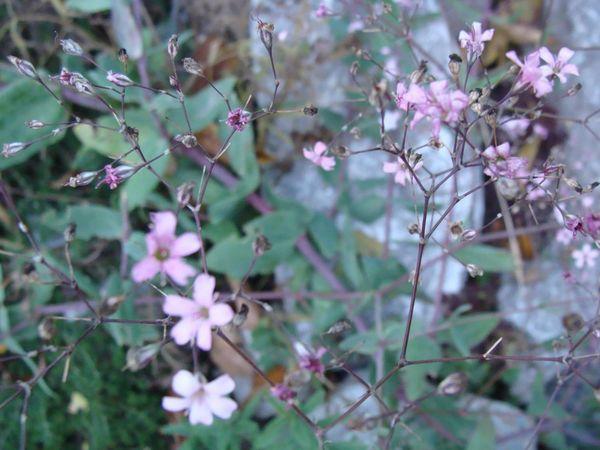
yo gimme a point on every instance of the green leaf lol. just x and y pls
(126, 32)
(468, 331)
(324, 233)
(488, 258)
(88, 6)
(484, 435)
(95, 221)
(231, 256)
(21, 101)
(367, 208)
(420, 347)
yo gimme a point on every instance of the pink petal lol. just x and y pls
(185, 383)
(222, 385)
(390, 167)
(309, 154)
(145, 269)
(151, 244)
(184, 330)
(222, 407)
(542, 87)
(327, 163)
(175, 404)
(320, 148)
(185, 245)
(546, 56)
(200, 413)
(164, 223)
(487, 35)
(503, 150)
(565, 54)
(570, 69)
(204, 287)
(204, 336)
(463, 37)
(512, 55)
(476, 28)
(220, 314)
(178, 270)
(179, 306)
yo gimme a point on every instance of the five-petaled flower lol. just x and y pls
(559, 66)
(586, 256)
(402, 173)
(312, 361)
(166, 251)
(284, 393)
(198, 315)
(501, 164)
(532, 74)
(201, 400)
(473, 40)
(317, 156)
(238, 119)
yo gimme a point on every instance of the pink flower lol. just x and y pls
(501, 164)
(573, 224)
(564, 236)
(401, 171)
(586, 256)
(540, 130)
(559, 66)
(201, 400)
(197, 315)
(317, 156)
(166, 251)
(591, 225)
(323, 11)
(113, 176)
(516, 127)
(531, 74)
(312, 361)
(238, 119)
(284, 393)
(473, 41)
(119, 79)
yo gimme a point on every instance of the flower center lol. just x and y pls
(161, 254)
(202, 312)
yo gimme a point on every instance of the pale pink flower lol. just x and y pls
(586, 256)
(531, 74)
(540, 131)
(402, 173)
(559, 66)
(166, 251)
(238, 119)
(591, 225)
(574, 224)
(501, 164)
(200, 400)
(516, 127)
(323, 11)
(198, 315)
(564, 236)
(284, 393)
(113, 176)
(473, 40)
(317, 156)
(312, 361)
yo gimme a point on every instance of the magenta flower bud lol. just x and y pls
(82, 179)
(70, 47)
(24, 67)
(12, 148)
(238, 119)
(284, 393)
(119, 79)
(173, 46)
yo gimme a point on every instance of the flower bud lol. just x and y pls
(453, 384)
(468, 235)
(188, 140)
(46, 329)
(454, 65)
(70, 47)
(119, 79)
(110, 305)
(572, 322)
(474, 271)
(139, 357)
(241, 316)
(265, 31)
(190, 65)
(12, 148)
(69, 233)
(260, 245)
(82, 179)
(184, 193)
(310, 110)
(35, 124)
(354, 68)
(173, 46)
(574, 89)
(24, 67)
(341, 151)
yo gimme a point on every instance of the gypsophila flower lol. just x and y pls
(586, 256)
(238, 119)
(591, 225)
(500, 163)
(113, 176)
(166, 251)
(201, 400)
(312, 361)
(284, 393)
(317, 156)
(564, 236)
(323, 11)
(199, 315)
(473, 40)
(559, 66)
(531, 74)
(192, 66)
(573, 224)
(119, 79)
(402, 173)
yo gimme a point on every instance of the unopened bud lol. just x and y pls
(35, 124)
(69, 233)
(340, 151)
(468, 235)
(46, 329)
(572, 322)
(574, 89)
(310, 110)
(265, 31)
(260, 245)
(474, 271)
(70, 47)
(173, 46)
(190, 65)
(413, 228)
(24, 67)
(119, 79)
(573, 184)
(139, 357)
(110, 305)
(453, 384)
(241, 316)
(81, 179)
(184, 193)
(12, 148)
(454, 65)
(417, 75)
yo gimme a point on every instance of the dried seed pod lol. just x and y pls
(46, 329)
(110, 305)
(190, 65)
(35, 124)
(260, 245)
(139, 357)
(310, 110)
(474, 271)
(241, 316)
(454, 65)
(453, 384)
(184, 193)
(339, 327)
(468, 235)
(456, 228)
(173, 46)
(572, 322)
(340, 151)
(24, 67)
(12, 148)
(70, 47)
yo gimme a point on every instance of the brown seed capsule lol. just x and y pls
(310, 110)
(453, 384)
(190, 65)
(110, 305)
(184, 193)
(340, 151)
(572, 322)
(139, 357)
(456, 228)
(241, 316)
(454, 65)
(46, 329)
(260, 245)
